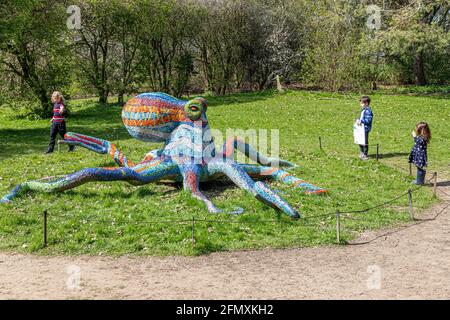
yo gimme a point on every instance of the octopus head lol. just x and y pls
(153, 116)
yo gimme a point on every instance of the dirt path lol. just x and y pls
(408, 264)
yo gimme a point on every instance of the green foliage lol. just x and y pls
(168, 30)
(416, 43)
(114, 218)
(193, 46)
(332, 60)
(31, 48)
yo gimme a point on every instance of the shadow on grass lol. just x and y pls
(94, 111)
(389, 155)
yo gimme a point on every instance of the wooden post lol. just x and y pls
(411, 210)
(338, 227)
(320, 143)
(378, 149)
(435, 184)
(193, 231)
(58, 146)
(45, 228)
(410, 169)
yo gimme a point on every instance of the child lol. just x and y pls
(366, 120)
(58, 122)
(418, 156)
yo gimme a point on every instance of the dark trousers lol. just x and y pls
(365, 147)
(420, 176)
(54, 130)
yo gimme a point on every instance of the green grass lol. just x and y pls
(128, 215)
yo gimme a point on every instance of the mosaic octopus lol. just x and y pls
(188, 156)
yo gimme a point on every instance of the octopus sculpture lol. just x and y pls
(188, 156)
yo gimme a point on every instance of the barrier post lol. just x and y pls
(435, 185)
(45, 228)
(58, 146)
(410, 169)
(378, 149)
(411, 210)
(193, 231)
(338, 227)
(320, 143)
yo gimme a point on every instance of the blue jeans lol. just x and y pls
(364, 148)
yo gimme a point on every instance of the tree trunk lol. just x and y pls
(120, 98)
(103, 96)
(30, 77)
(419, 70)
(45, 103)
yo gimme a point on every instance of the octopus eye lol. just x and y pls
(193, 108)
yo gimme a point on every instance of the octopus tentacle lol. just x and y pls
(136, 177)
(105, 147)
(278, 174)
(99, 146)
(236, 143)
(260, 190)
(191, 182)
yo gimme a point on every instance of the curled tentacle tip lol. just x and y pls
(5, 201)
(294, 214)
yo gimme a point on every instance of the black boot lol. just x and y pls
(48, 151)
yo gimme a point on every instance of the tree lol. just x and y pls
(93, 45)
(416, 33)
(32, 46)
(282, 51)
(332, 53)
(167, 34)
(128, 22)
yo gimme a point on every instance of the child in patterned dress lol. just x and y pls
(418, 156)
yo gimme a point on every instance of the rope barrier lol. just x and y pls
(376, 206)
(309, 221)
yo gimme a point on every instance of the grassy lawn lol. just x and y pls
(116, 218)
